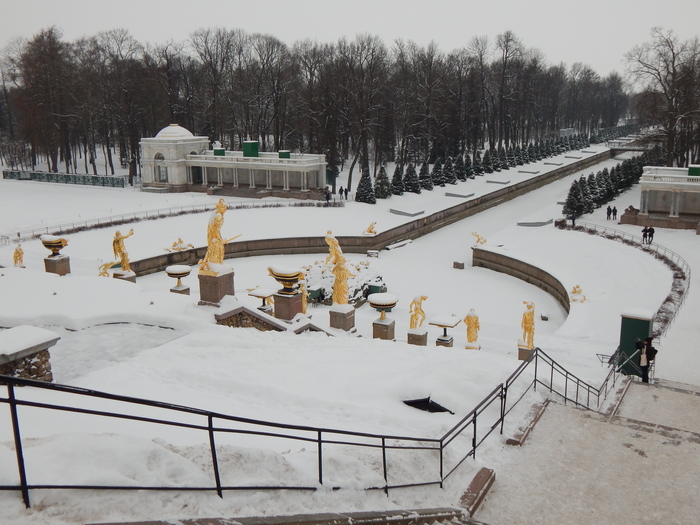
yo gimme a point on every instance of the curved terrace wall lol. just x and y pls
(360, 244)
(523, 271)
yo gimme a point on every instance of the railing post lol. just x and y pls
(320, 458)
(18, 445)
(386, 478)
(474, 437)
(214, 460)
(537, 360)
(504, 396)
(442, 463)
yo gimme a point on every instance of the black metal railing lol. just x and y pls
(445, 453)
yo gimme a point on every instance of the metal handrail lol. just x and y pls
(452, 449)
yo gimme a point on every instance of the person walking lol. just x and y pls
(614, 212)
(650, 234)
(609, 212)
(346, 194)
(340, 193)
(645, 235)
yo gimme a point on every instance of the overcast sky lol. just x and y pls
(595, 32)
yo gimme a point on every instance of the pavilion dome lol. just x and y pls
(174, 131)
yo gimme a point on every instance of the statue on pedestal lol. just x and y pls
(18, 256)
(120, 250)
(528, 324)
(472, 322)
(215, 243)
(416, 311)
(335, 252)
(340, 285)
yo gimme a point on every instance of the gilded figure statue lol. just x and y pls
(340, 285)
(304, 296)
(120, 250)
(105, 267)
(215, 242)
(528, 324)
(416, 311)
(18, 256)
(479, 238)
(335, 252)
(178, 246)
(472, 322)
(370, 229)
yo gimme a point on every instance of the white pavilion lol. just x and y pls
(175, 160)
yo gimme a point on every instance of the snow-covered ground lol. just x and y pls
(345, 382)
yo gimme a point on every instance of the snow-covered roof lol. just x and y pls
(174, 131)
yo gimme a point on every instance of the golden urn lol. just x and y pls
(383, 303)
(287, 277)
(53, 243)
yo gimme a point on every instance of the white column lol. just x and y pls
(268, 176)
(251, 177)
(219, 179)
(235, 177)
(285, 178)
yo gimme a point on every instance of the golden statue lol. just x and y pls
(104, 267)
(18, 256)
(340, 285)
(334, 249)
(304, 296)
(577, 295)
(528, 325)
(178, 246)
(479, 238)
(370, 229)
(120, 250)
(472, 322)
(215, 243)
(416, 311)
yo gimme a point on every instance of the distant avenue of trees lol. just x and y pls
(357, 101)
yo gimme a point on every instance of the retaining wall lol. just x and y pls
(360, 244)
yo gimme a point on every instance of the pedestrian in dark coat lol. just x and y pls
(346, 194)
(340, 192)
(614, 213)
(609, 212)
(647, 355)
(650, 235)
(645, 234)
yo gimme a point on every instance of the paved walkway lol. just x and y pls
(640, 466)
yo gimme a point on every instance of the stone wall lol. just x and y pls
(360, 244)
(36, 366)
(523, 271)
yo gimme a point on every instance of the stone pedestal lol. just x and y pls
(472, 346)
(418, 338)
(383, 329)
(342, 317)
(124, 276)
(184, 290)
(213, 288)
(445, 340)
(287, 306)
(24, 352)
(524, 352)
(59, 264)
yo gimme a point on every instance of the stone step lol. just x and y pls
(399, 517)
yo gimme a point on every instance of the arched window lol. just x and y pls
(161, 172)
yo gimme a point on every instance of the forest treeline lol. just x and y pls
(357, 101)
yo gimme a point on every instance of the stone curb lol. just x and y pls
(534, 416)
(400, 517)
(477, 490)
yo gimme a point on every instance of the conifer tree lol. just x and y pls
(468, 167)
(410, 180)
(426, 181)
(448, 172)
(365, 191)
(478, 164)
(488, 164)
(519, 161)
(382, 186)
(397, 182)
(460, 170)
(436, 175)
(574, 201)
(512, 162)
